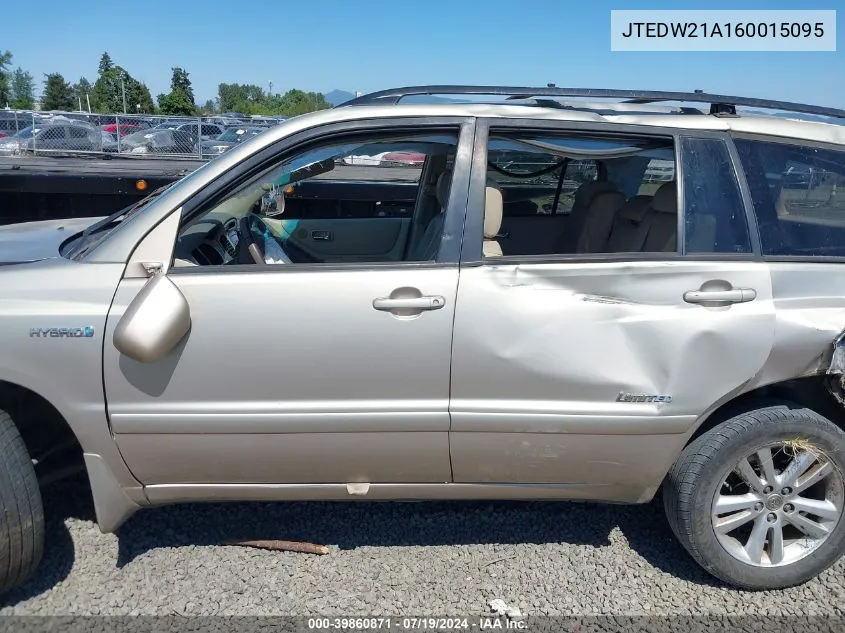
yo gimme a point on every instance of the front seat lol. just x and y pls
(426, 246)
(493, 209)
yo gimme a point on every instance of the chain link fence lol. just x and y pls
(44, 133)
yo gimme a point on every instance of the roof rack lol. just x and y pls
(719, 104)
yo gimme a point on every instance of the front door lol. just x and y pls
(588, 368)
(299, 370)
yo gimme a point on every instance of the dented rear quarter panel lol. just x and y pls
(809, 302)
(541, 352)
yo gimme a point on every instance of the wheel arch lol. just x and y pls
(49, 428)
(810, 392)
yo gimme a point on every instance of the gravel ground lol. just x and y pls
(386, 559)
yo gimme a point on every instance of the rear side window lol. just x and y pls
(799, 197)
(714, 216)
(538, 182)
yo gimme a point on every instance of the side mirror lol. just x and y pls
(154, 322)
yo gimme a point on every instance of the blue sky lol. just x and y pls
(325, 44)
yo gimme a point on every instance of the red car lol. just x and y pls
(405, 158)
(125, 128)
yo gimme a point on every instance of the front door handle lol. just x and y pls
(734, 295)
(431, 302)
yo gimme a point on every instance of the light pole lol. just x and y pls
(123, 90)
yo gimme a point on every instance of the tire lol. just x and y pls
(21, 512)
(710, 465)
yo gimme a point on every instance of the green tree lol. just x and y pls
(180, 99)
(106, 63)
(142, 98)
(295, 102)
(239, 97)
(176, 102)
(22, 90)
(108, 92)
(180, 82)
(58, 94)
(81, 90)
(251, 99)
(5, 83)
(208, 107)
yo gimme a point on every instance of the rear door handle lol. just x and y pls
(321, 236)
(432, 302)
(734, 295)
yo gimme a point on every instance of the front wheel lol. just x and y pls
(758, 500)
(21, 513)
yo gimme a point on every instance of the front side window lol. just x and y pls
(52, 134)
(798, 194)
(356, 200)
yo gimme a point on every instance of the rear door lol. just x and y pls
(588, 369)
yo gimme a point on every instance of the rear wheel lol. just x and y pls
(758, 500)
(21, 513)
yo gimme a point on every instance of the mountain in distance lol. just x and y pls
(336, 97)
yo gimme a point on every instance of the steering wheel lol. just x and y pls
(260, 242)
(254, 247)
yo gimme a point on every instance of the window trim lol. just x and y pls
(792, 142)
(450, 248)
(745, 200)
(471, 253)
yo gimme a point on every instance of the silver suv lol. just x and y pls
(537, 297)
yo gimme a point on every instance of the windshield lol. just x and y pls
(98, 231)
(236, 135)
(27, 132)
(146, 136)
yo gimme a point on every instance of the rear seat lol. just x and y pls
(593, 209)
(645, 224)
(628, 231)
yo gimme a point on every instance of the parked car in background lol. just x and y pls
(12, 125)
(229, 139)
(209, 130)
(403, 158)
(124, 128)
(56, 136)
(224, 121)
(155, 141)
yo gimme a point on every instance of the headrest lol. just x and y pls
(666, 198)
(441, 190)
(493, 204)
(635, 209)
(585, 194)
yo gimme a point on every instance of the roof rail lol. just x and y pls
(719, 104)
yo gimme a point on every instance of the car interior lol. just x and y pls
(380, 200)
(383, 200)
(563, 196)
